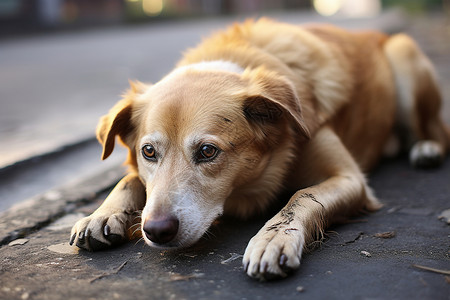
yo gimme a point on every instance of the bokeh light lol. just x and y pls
(348, 8)
(327, 7)
(152, 7)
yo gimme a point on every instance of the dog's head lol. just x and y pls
(202, 141)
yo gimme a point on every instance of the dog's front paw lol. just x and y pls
(100, 231)
(274, 251)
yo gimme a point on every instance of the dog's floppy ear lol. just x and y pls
(118, 121)
(272, 97)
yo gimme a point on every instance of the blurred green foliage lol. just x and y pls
(415, 6)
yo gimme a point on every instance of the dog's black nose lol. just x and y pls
(162, 230)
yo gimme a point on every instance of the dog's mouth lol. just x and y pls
(167, 246)
(172, 245)
(169, 233)
(181, 225)
(166, 233)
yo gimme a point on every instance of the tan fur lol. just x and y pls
(304, 110)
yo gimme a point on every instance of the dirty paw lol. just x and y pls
(100, 231)
(273, 252)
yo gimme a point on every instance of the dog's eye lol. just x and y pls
(207, 152)
(149, 152)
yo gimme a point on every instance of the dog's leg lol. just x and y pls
(108, 226)
(419, 102)
(338, 189)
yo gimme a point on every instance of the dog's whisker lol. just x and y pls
(208, 235)
(138, 241)
(137, 225)
(136, 230)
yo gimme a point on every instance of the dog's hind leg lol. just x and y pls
(419, 101)
(109, 225)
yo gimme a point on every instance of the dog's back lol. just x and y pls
(341, 78)
(349, 80)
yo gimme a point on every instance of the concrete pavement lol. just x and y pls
(37, 263)
(354, 262)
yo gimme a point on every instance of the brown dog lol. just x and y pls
(258, 109)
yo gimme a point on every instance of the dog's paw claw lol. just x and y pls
(72, 239)
(99, 232)
(272, 254)
(283, 260)
(81, 236)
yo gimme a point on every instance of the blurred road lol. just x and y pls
(53, 88)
